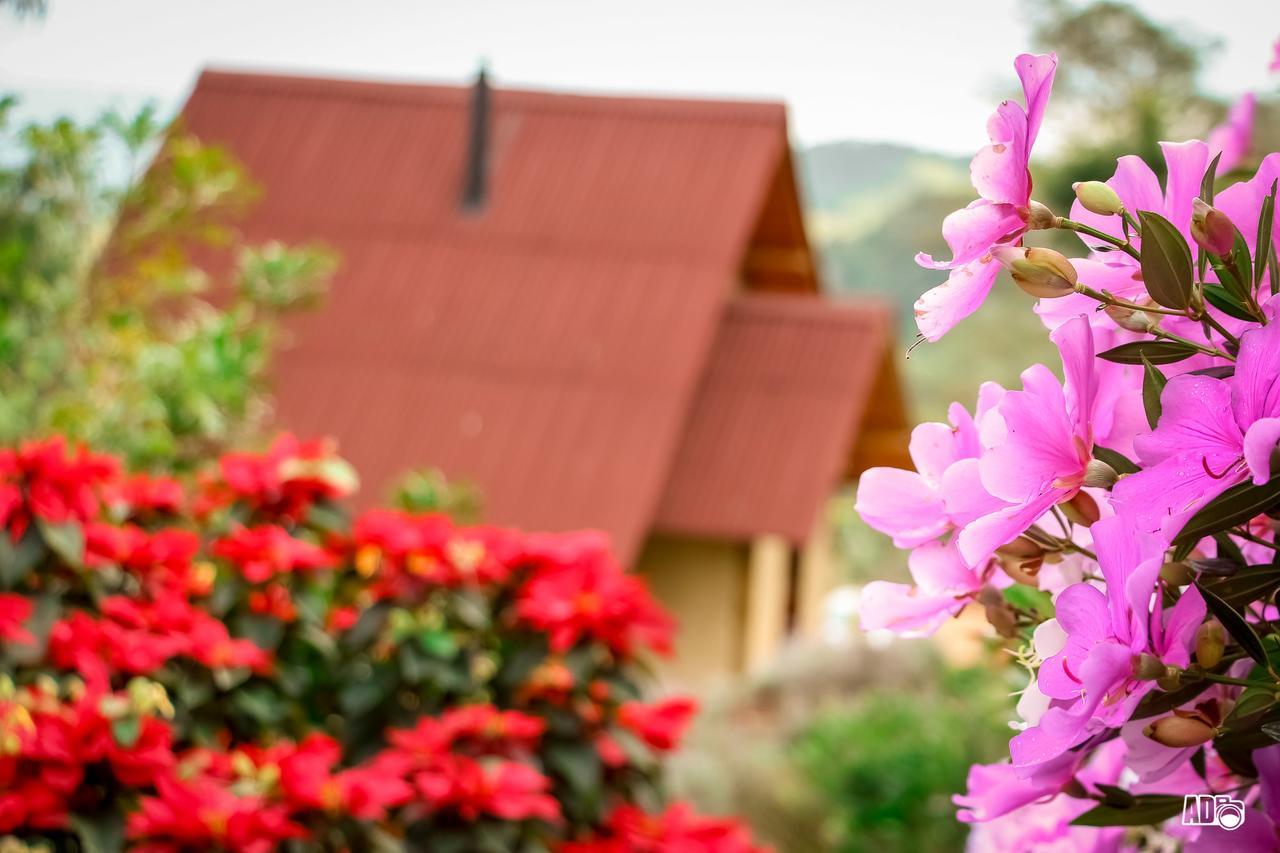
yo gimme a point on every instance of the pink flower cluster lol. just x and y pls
(1138, 493)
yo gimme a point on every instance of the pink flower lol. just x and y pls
(1233, 138)
(1275, 60)
(999, 217)
(1089, 680)
(1212, 434)
(1047, 444)
(14, 611)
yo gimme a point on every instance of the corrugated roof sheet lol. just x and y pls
(771, 427)
(548, 347)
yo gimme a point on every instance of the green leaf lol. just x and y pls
(1273, 270)
(1247, 586)
(1158, 702)
(1121, 463)
(1153, 383)
(1207, 183)
(1235, 624)
(1113, 795)
(1271, 730)
(1217, 296)
(578, 763)
(1266, 219)
(1028, 598)
(64, 540)
(1235, 506)
(1235, 271)
(1156, 352)
(18, 559)
(1146, 810)
(99, 832)
(126, 730)
(1166, 261)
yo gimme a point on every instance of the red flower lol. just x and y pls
(488, 729)
(677, 830)
(48, 481)
(261, 553)
(506, 789)
(660, 725)
(160, 559)
(14, 611)
(273, 601)
(308, 781)
(587, 595)
(203, 814)
(406, 553)
(285, 481)
(142, 494)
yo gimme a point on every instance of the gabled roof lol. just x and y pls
(547, 347)
(770, 431)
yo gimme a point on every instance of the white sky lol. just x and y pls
(916, 71)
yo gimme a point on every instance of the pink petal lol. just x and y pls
(938, 568)
(1162, 498)
(933, 449)
(979, 540)
(904, 609)
(901, 504)
(1039, 446)
(1036, 73)
(971, 232)
(963, 494)
(1196, 418)
(1180, 627)
(999, 171)
(1083, 613)
(1186, 163)
(1074, 340)
(1259, 445)
(940, 309)
(1256, 386)
(1233, 138)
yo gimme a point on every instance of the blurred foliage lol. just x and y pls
(889, 764)
(24, 8)
(134, 317)
(847, 748)
(429, 490)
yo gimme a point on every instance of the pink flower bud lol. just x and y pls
(1040, 217)
(1211, 229)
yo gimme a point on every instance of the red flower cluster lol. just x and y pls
(678, 829)
(43, 480)
(48, 746)
(405, 553)
(249, 673)
(137, 637)
(282, 483)
(584, 594)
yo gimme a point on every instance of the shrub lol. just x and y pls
(240, 668)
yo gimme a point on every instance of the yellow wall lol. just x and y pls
(703, 583)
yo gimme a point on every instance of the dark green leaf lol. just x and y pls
(1271, 730)
(1246, 586)
(1198, 763)
(1156, 352)
(1146, 810)
(1235, 624)
(1229, 550)
(1266, 219)
(1166, 261)
(1121, 463)
(1153, 383)
(1273, 270)
(368, 626)
(1252, 700)
(1242, 264)
(18, 559)
(1158, 702)
(65, 540)
(1215, 567)
(1217, 296)
(99, 832)
(1207, 188)
(1234, 506)
(1113, 795)
(578, 763)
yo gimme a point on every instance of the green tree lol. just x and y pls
(110, 332)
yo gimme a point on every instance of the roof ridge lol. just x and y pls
(705, 108)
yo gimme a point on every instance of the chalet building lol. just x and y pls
(602, 311)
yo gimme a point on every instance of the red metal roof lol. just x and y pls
(772, 424)
(546, 348)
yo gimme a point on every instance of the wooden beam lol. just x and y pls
(768, 594)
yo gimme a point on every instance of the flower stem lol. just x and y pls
(1080, 228)
(1244, 534)
(1207, 350)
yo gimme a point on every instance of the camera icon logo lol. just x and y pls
(1212, 810)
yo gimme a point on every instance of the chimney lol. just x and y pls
(476, 188)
